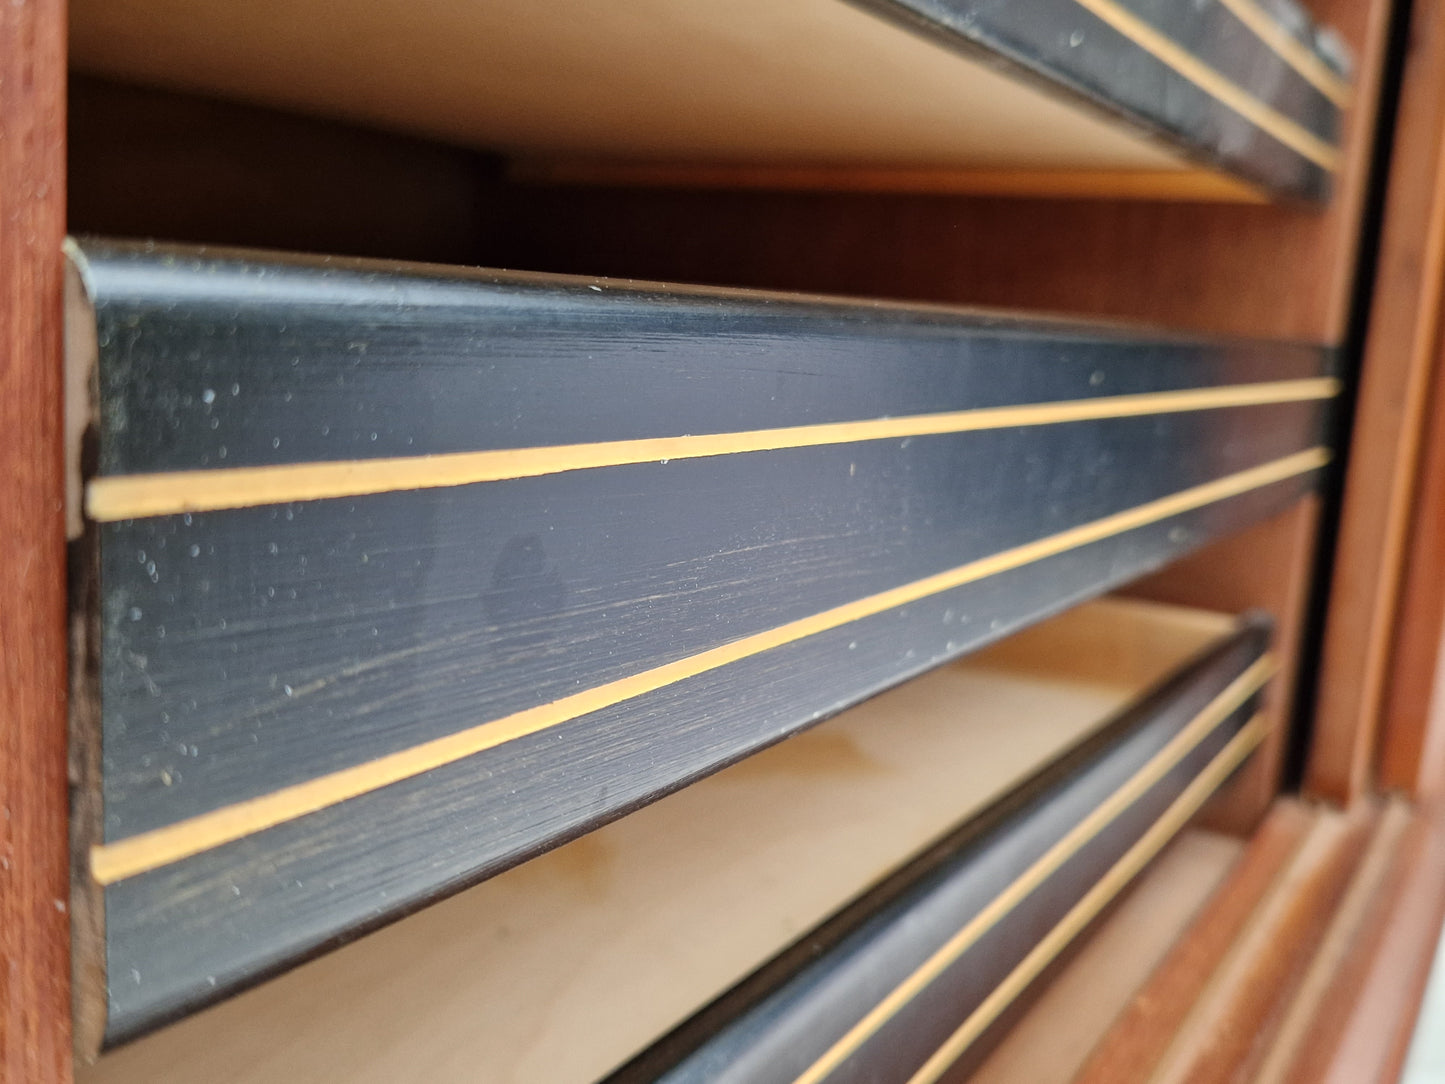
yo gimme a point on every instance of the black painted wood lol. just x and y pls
(213, 358)
(779, 1024)
(1069, 49)
(244, 651)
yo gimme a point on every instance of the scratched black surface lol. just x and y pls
(184, 935)
(771, 1031)
(220, 358)
(247, 649)
(1065, 46)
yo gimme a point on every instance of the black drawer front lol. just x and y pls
(918, 979)
(401, 575)
(1228, 83)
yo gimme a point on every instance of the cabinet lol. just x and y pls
(1132, 228)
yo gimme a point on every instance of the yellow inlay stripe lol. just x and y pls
(1097, 898)
(140, 495)
(1292, 135)
(1294, 52)
(1159, 765)
(112, 862)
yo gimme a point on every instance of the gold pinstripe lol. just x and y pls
(161, 846)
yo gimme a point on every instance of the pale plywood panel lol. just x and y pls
(780, 81)
(560, 969)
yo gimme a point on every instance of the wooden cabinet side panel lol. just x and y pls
(1140, 1037)
(1380, 486)
(34, 928)
(1359, 1032)
(1412, 727)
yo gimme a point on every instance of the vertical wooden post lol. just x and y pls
(1390, 419)
(34, 926)
(1412, 729)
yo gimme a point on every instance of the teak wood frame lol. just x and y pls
(34, 928)
(1383, 627)
(1381, 714)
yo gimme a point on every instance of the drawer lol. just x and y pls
(1211, 99)
(1038, 773)
(396, 576)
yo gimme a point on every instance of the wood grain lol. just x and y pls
(1380, 486)
(256, 809)
(963, 1045)
(1351, 923)
(1213, 1009)
(1227, 1034)
(1412, 732)
(1412, 729)
(1282, 271)
(1205, 50)
(442, 415)
(1362, 1031)
(34, 930)
(1139, 1038)
(1346, 957)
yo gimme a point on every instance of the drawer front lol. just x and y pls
(921, 977)
(396, 576)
